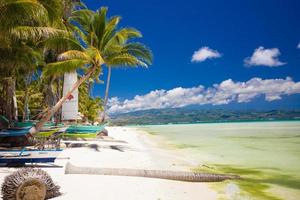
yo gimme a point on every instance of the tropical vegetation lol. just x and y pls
(41, 40)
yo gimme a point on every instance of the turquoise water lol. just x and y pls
(267, 153)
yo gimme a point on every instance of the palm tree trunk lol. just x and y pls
(106, 93)
(8, 98)
(25, 104)
(161, 174)
(14, 100)
(58, 105)
(10, 88)
(26, 98)
(58, 96)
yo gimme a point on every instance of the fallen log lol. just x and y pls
(161, 174)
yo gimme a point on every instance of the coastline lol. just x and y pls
(247, 149)
(140, 151)
(217, 122)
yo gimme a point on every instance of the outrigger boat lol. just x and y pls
(44, 146)
(83, 131)
(32, 123)
(21, 157)
(14, 131)
(15, 137)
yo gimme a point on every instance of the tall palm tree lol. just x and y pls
(120, 43)
(140, 50)
(105, 44)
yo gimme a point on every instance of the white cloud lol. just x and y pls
(205, 53)
(224, 93)
(298, 46)
(264, 57)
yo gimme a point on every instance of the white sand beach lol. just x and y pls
(138, 151)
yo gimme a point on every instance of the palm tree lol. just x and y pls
(23, 25)
(38, 25)
(105, 44)
(120, 42)
(30, 97)
(139, 49)
(16, 62)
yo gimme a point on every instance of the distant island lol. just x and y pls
(192, 115)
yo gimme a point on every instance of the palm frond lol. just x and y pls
(99, 22)
(82, 18)
(79, 34)
(74, 54)
(36, 34)
(21, 12)
(95, 54)
(125, 34)
(19, 57)
(54, 9)
(109, 31)
(79, 5)
(61, 44)
(140, 51)
(121, 37)
(125, 59)
(59, 68)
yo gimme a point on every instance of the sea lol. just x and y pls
(265, 154)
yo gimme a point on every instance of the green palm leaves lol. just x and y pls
(74, 59)
(31, 19)
(105, 44)
(67, 36)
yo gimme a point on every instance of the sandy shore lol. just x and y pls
(138, 151)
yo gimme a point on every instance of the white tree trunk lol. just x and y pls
(70, 107)
(15, 104)
(106, 93)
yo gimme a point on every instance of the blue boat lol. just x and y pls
(84, 129)
(14, 132)
(21, 157)
(15, 137)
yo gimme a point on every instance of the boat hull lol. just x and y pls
(85, 129)
(9, 157)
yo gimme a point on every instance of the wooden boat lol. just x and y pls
(14, 132)
(32, 123)
(25, 124)
(84, 129)
(15, 137)
(21, 157)
(20, 137)
(79, 135)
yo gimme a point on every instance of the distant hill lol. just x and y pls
(191, 115)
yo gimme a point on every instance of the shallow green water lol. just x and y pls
(267, 154)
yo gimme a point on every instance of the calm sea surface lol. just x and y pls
(268, 153)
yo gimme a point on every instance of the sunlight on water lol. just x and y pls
(266, 153)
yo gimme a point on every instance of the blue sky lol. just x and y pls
(231, 31)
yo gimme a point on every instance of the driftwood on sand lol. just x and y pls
(161, 174)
